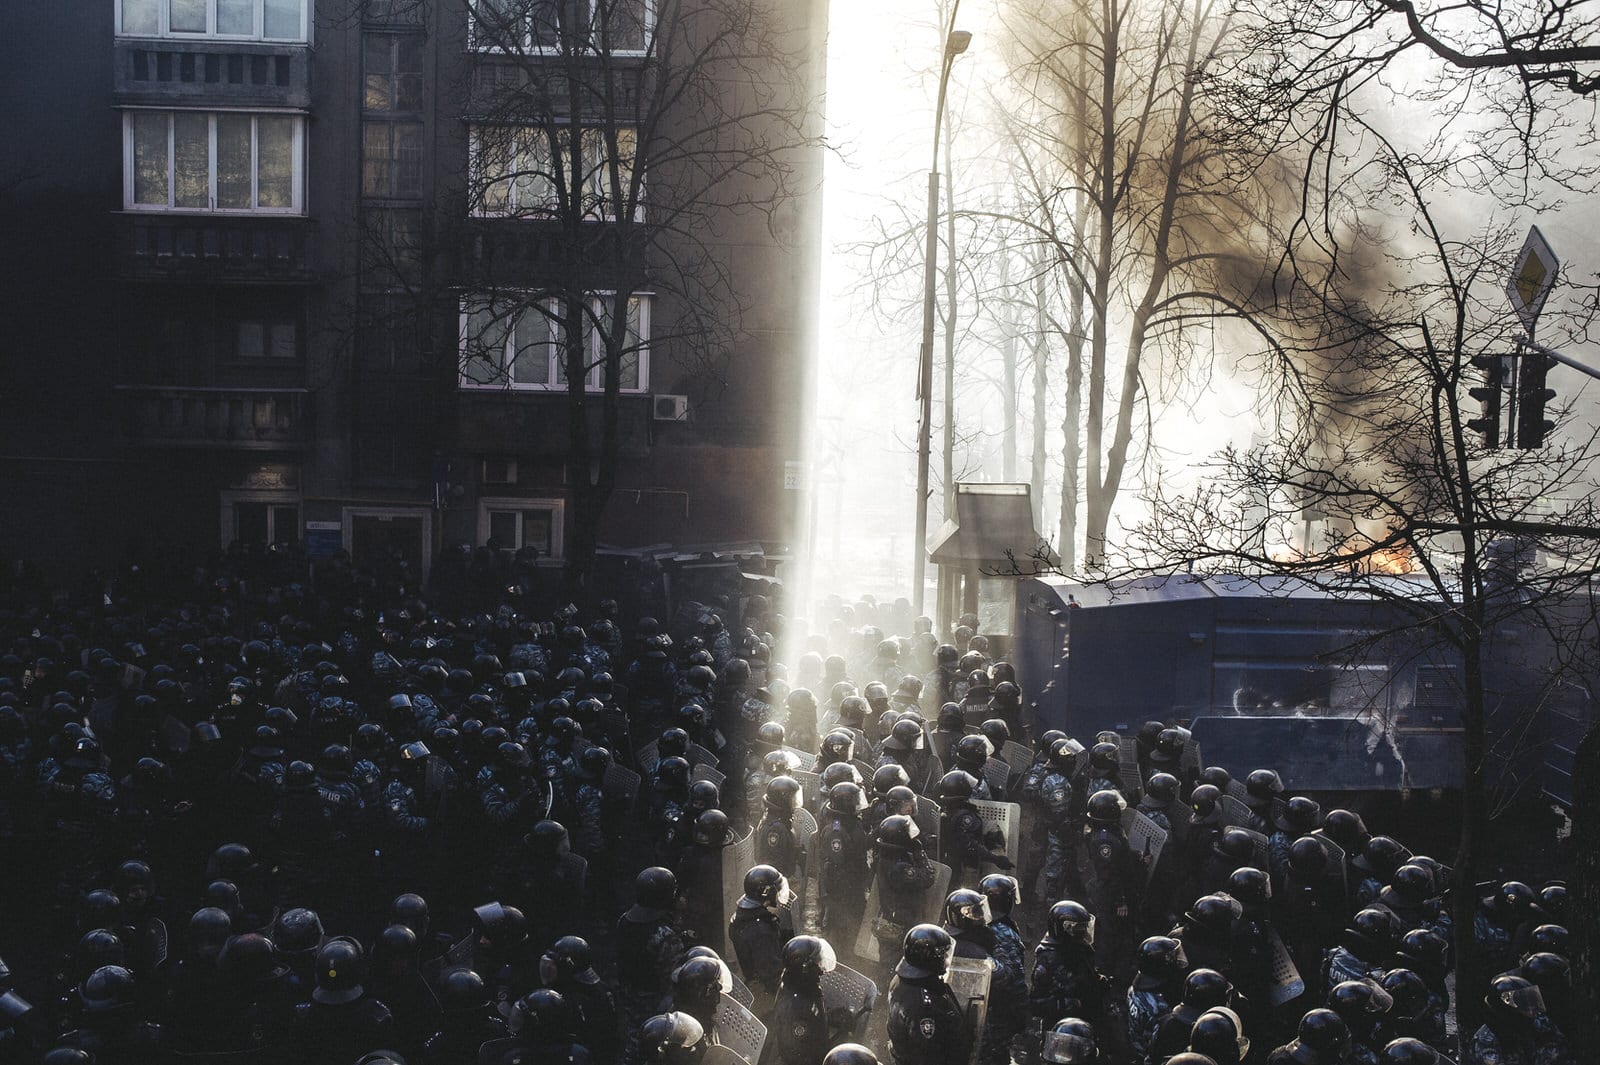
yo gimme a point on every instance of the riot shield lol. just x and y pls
(702, 771)
(623, 784)
(737, 1029)
(573, 869)
(698, 755)
(811, 782)
(805, 761)
(737, 858)
(1258, 852)
(458, 956)
(969, 979)
(155, 938)
(1237, 789)
(1017, 756)
(997, 774)
(933, 904)
(940, 743)
(866, 769)
(435, 792)
(1287, 983)
(848, 994)
(1189, 761)
(741, 991)
(1007, 817)
(647, 758)
(1145, 838)
(1235, 812)
(716, 1054)
(1336, 870)
(927, 817)
(804, 880)
(1128, 766)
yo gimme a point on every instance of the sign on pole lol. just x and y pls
(1533, 275)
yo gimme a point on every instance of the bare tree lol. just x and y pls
(629, 135)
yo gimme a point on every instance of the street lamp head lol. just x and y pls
(957, 42)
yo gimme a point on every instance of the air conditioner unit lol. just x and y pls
(499, 471)
(671, 408)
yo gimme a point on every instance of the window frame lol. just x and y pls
(589, 45)
(554, 382)
(164, 30)
(271, 498)
(488, 505)
(596, 177)
(297, 166)
(392, 125)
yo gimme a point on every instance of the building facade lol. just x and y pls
(301, 270)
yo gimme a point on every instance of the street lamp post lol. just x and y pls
(955, 42)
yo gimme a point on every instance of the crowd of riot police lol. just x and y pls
(243, 824)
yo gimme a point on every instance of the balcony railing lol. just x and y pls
(252, 419)
(223, 73)
(221, 248)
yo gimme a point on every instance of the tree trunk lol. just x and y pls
(1039, 472)
(951, 283)
(1008, 372)
(1474, 821)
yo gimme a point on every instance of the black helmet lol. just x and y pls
(673, 772)
(97, 947)
(1252, 887)
(1347, 830)
(765, 886)
(1408, 1051)
(1106, 807)
(771, 733)
(1072, 921)
(847, 798)
(1513, 998)
(897, 830)
(850, 1054)
(540, 1015)
(594, 761)
(500, 926)
(712, 829)
(1298, 816)
(671, 1039)
(1235, 844)
(966, 910)
(784, 795)
(809, 955)
(335, 760)
(1426, 951)
(566, 959)
(411, 910)
(1324, 1031)
(1410, 991)
(889, 775)
(1412, 884)
(701, 976)
(209, 929)
(839, 773)
(972, 751)
(839, 745)
(548, 839)
(1003, 891)
(1070, 1042)
(906, 735)
(703, 795)
(298, 930)
(1216, 912)
(1063, 756)
(1160, 790)
(339, 970)
(1204, 799)
(1543, 970)
(1383, 855)
(395, 950)
(927, 950)
(108, 989)
(1308, 857)
(512, 755)
(1359, 1000)
(655, 888)
(462, 991)
(1206, 988)
(853, 710)
(1553, 900)
(1219, 1034)
(1513, 897)
(957, 785)
(1169, 747)
(1550, 938)
(1103, 757)
(1262, 786)
(247, 959)
(1162, 957)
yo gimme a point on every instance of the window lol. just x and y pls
(267, 20)
(517, 523)
(540, 26)
(391, 160)
(516, 174)
(260, 517)
(391, 109)
(517, 344)
(226, 161)
(393, 68)
(267, 339)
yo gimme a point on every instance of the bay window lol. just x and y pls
(621, 27)
(516, 174)
(213, 161)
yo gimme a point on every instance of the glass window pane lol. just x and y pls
(544, 22)
(536, 530)
(377, 97)
(191, 160)
(252, 340)
(285, 525)
(283, 20)
(408, 92)
(408, 159)
(408, 54)
(281, 341)
(375, 166)
(530, 364)
(236, 17)
(628, 371)
(503, 528)
(250, 523)
(484, 345)
(621, 24)
(377, 51)
(140, 16)
(233, 161)
(150, 157)
(275, 161)
(188, 16)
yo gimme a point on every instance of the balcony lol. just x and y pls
(246, 419)
(536, 423)
(216, 248)
(197, 73)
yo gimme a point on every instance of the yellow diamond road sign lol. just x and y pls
(1533, 275)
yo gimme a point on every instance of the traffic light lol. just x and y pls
(1532, 395)
(1488, 397)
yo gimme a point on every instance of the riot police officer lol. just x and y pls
(806, 1030)
(1060, 815)
(965, 844)
(1008, 984)
(648, 942)
(541, 1031)
(1157, 987)
(760, 926)
(778, 842)
(1203, 989)
(927, 1023)
(1113, 876)
(842, 874)
(567, 967)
